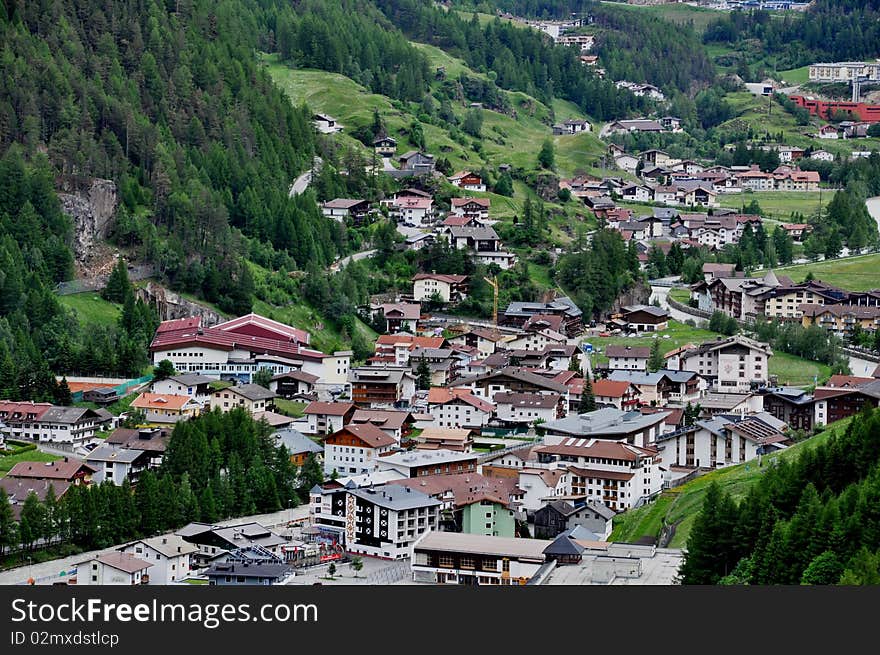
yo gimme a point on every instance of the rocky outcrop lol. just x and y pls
(91, 203)
(171, 305)
(639, 294)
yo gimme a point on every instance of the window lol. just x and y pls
(467, 562)
(445, 561)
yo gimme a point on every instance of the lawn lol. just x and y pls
(681, 504)
(120, 406)
(9, 461)
(794, 75)
(292, 408)
(680, 295)
(680, 14)
(779, 204)
(792, 371)
(91, 308)
(860, 273)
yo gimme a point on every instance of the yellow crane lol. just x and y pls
(494, 284)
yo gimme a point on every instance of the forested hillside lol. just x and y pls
(813, 521)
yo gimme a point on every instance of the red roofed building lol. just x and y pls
(355, 449)
(326, 418)
(619, 394)
(826, 109)
(458, 408)
(450, 288)
(476, 207)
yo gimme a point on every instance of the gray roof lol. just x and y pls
(109, 453)
(643, 377)
(563, 303)
(191, 379)
(605, 421)
(252, 392)
(395, 497)
(170, 546)
(650, 309)
(296, 442)
(564, 545)
(251, 533)
(477, 233)
(378, 374)
(66, 414)
(579, 532)
(248, 570)
(517, 374)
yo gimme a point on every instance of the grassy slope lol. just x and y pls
(684, 503)
(91, 308)
(795, 75)
(779, 204)
(680, 14)
(854, 273)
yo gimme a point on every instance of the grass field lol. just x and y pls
(794, 75)
(117, 408)
(793, 371)
(779, 204)
(9, 461)
(860, 273)
(682, 504)
(292, 408)
(91, 308)
(680, 295)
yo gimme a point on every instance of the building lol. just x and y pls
(527, 408)
(48, 423)
(326, 418)
(559, 516)
(467, 181)
(792, 406)
(355, 449)
(252, 397)
(608, 423)
(294, 384)
(637, 125)
(518, 314)
(374, 386)
(607, 393)
(418, 163)
(169, 556)
(512, 379)
(664, 386)
(247, 573)
(448, 288)
(629, 358)
(385, 146)
(66, 470)
(477, 208)
(842, 320)
(734, 364)
(385, 521)
(17, 491)
(844, 71)
(197, 387)
(326, 124)
(113, 568)
(828, 109)
(116, 464)
(101, 395)
(645, 318)
(413, 210)
(836, 403)
(459, 558)
(434, 438)
(400, 317)
(458, 408)
(418, 463)
(298, 445)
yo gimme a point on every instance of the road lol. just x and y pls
(660, 294)
(342, 263)
(301, 183)
(47, 572)
(861, 367)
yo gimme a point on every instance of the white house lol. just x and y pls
(733, 364)
(629, 358)
(197, 387)
(169, 555)
(458, 408)
(113, 568)
(356, 449)
(526, 408)
(327, 418)
(450, 288)
(542, 485)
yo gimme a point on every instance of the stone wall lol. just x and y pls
(171, 305)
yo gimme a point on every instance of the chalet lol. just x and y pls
(355, 449)
(293, 384)
(571, 126)
(215, 543)
(340, 209)
(636, 193)
(400, 317)
(18, 490)
(385, 146)
(396, 424)
(48, 423)
(65, 470)
(826, 132)
(632, 358)
(419, 241)
(560, 515)
(476, 207)
(417, 162)
(247, 573)
(484, 340)
(194, 385)
(665, 194)
(637, 125)
(664, 386)
(413, 210)
(436, 438)
(645, 318)
(449, 288)
(467, 181)
(794, 407)
(671, 123)
(326, 124)
(822, 155)
(115, 464)
(326, 418)
(756, 180)
(836, 403)
(113, 568)
(621, 395)
(518, 313)
(841, 319)
(797, 231)
(734, 364)
(251, 397)
(528, 408)
(166, 408)
(169, 556)
(373, 385)
(298, 445)
(512, 379)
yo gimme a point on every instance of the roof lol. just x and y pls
(248, 570)
(449, 279)
(191, 379)
(465, 488)
(250, 533)
(342, 203)
(384, 418)
(168, 545)
(601, 448)
(607, 422)
(251, 392)
(461, 542)
(296, 442)
(601, 474)
(328, 409)
(461, 202)
(648, 309)
(426, 457)
(444, 434)
(378, 375)
(443, 395)
(406, 310)
(628, 351)
(179, 324)
(395, 497)
(122, 562)
(300, 376)
(544, 401)
(111, 453)
(476, 233)
(517, 373)
(161, 401)
(368, 433)
(67, 414)
(244, 324)
(608, 388)
(563, 545)
(63, 469)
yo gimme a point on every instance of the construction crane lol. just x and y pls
(494, 284)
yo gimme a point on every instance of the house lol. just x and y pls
(396, 424)
(101, 395)
(822, 155)
(48, 423)
(714, 403)
(247, 573)
(385, 521)
(375, 385)
(449, 288)
(836, 403)
(251, 397)
(622, 395)
(632, 358)
(17, 491)
(512, 379)
(826, 132)
(571, 126)
(417, 463)
(468, 559)
(477, 208)
(116, 464)
(645, 318)
(194, 385)
(797, 231)
(467, 181)
(341, 209)
(419, 241)
(327, 418)
(216, 542)
(413, 210)
(456, 407)
(65, 470)
(559, 516)
(637, 125)
(113, 568)
(713, 270)
(400, 317)
(794, 407)
(607, 423)
(671, 123)
(417, 162)
(293, 384)
(298, 445)
(540, 486)
(517, 314)
(527, 408)
(355, 449)
(152, 441)
(326, 124)
(385, 146)
(655, 157)
(635, 193)
(841, 319)
(756, 180)
(484, 340)
(664, 386)
(733, 364)
(169, 555)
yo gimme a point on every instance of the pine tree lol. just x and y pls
(588, 400)
(63, 396)
(423, 374)
(31, 526)
(8, 528)
(118, 284)
(547, 156)
(655, 359)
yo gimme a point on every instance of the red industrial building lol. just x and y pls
(858, 111)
